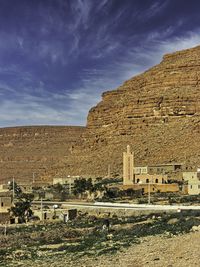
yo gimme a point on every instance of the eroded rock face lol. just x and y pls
(36, 149)
(157, 113)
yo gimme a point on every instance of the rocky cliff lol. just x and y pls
(32, 151)
(157, 113)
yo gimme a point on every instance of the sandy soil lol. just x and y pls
(152, 251)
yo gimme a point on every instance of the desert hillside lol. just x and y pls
(157, 113)
(35, 149)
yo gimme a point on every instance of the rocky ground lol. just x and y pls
(168, 240)
(152, 251)
(155, 251)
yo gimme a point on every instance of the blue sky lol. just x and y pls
(58, 56)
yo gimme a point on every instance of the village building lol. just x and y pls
(164, 168)
(149, 178)
(3, 187)
(128, 166)
(159, 169)
(5, 200)
(144, 178)
(5, 205)
(67, 181)
(140, 170)
(55, 213)
(26, 188)
(193, 181)
(45, 195)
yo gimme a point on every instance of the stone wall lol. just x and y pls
(162, 188)
(4, 217)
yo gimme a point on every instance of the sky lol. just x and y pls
(58, 56)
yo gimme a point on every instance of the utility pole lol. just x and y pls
(70, 186)
(33, 181)
(149, 193)
(41, 208)
(108, 170)
(13, 191)
(5, 229)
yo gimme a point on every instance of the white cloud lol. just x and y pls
(151, 52)
(71, 107)
(81, 13)
(154, 9)
(35, 113)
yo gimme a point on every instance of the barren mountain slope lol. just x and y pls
(157, 113)
(28, 150)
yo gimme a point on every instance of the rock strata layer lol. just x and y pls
(157, 113)
(35, 151)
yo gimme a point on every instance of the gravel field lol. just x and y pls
(162, 251)
(165, 240)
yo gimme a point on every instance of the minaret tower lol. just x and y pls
(128, 167)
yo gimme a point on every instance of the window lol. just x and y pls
(199, 186)
(138, 180)
(190, 186)
(156, 180)
(1, 204)
(147, 181)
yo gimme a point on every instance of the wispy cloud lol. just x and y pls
(154, 9)
(81, 12)
(57, 59)
(71, 107)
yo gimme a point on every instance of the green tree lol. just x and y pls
(17, 188)
(22, 207)
(61, 191)
(81, 185)
(58, 188)
(112, 192)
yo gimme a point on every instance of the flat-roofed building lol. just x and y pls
(194, 188)
(193, 180)
(5, 205)
(5, 200)
(4, 187)
(158, 168)
(149, 178)
(164, 168)
(141, 170)
(67, 181)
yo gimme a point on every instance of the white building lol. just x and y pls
(141, 170)
(67, 181)
(193, 179)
